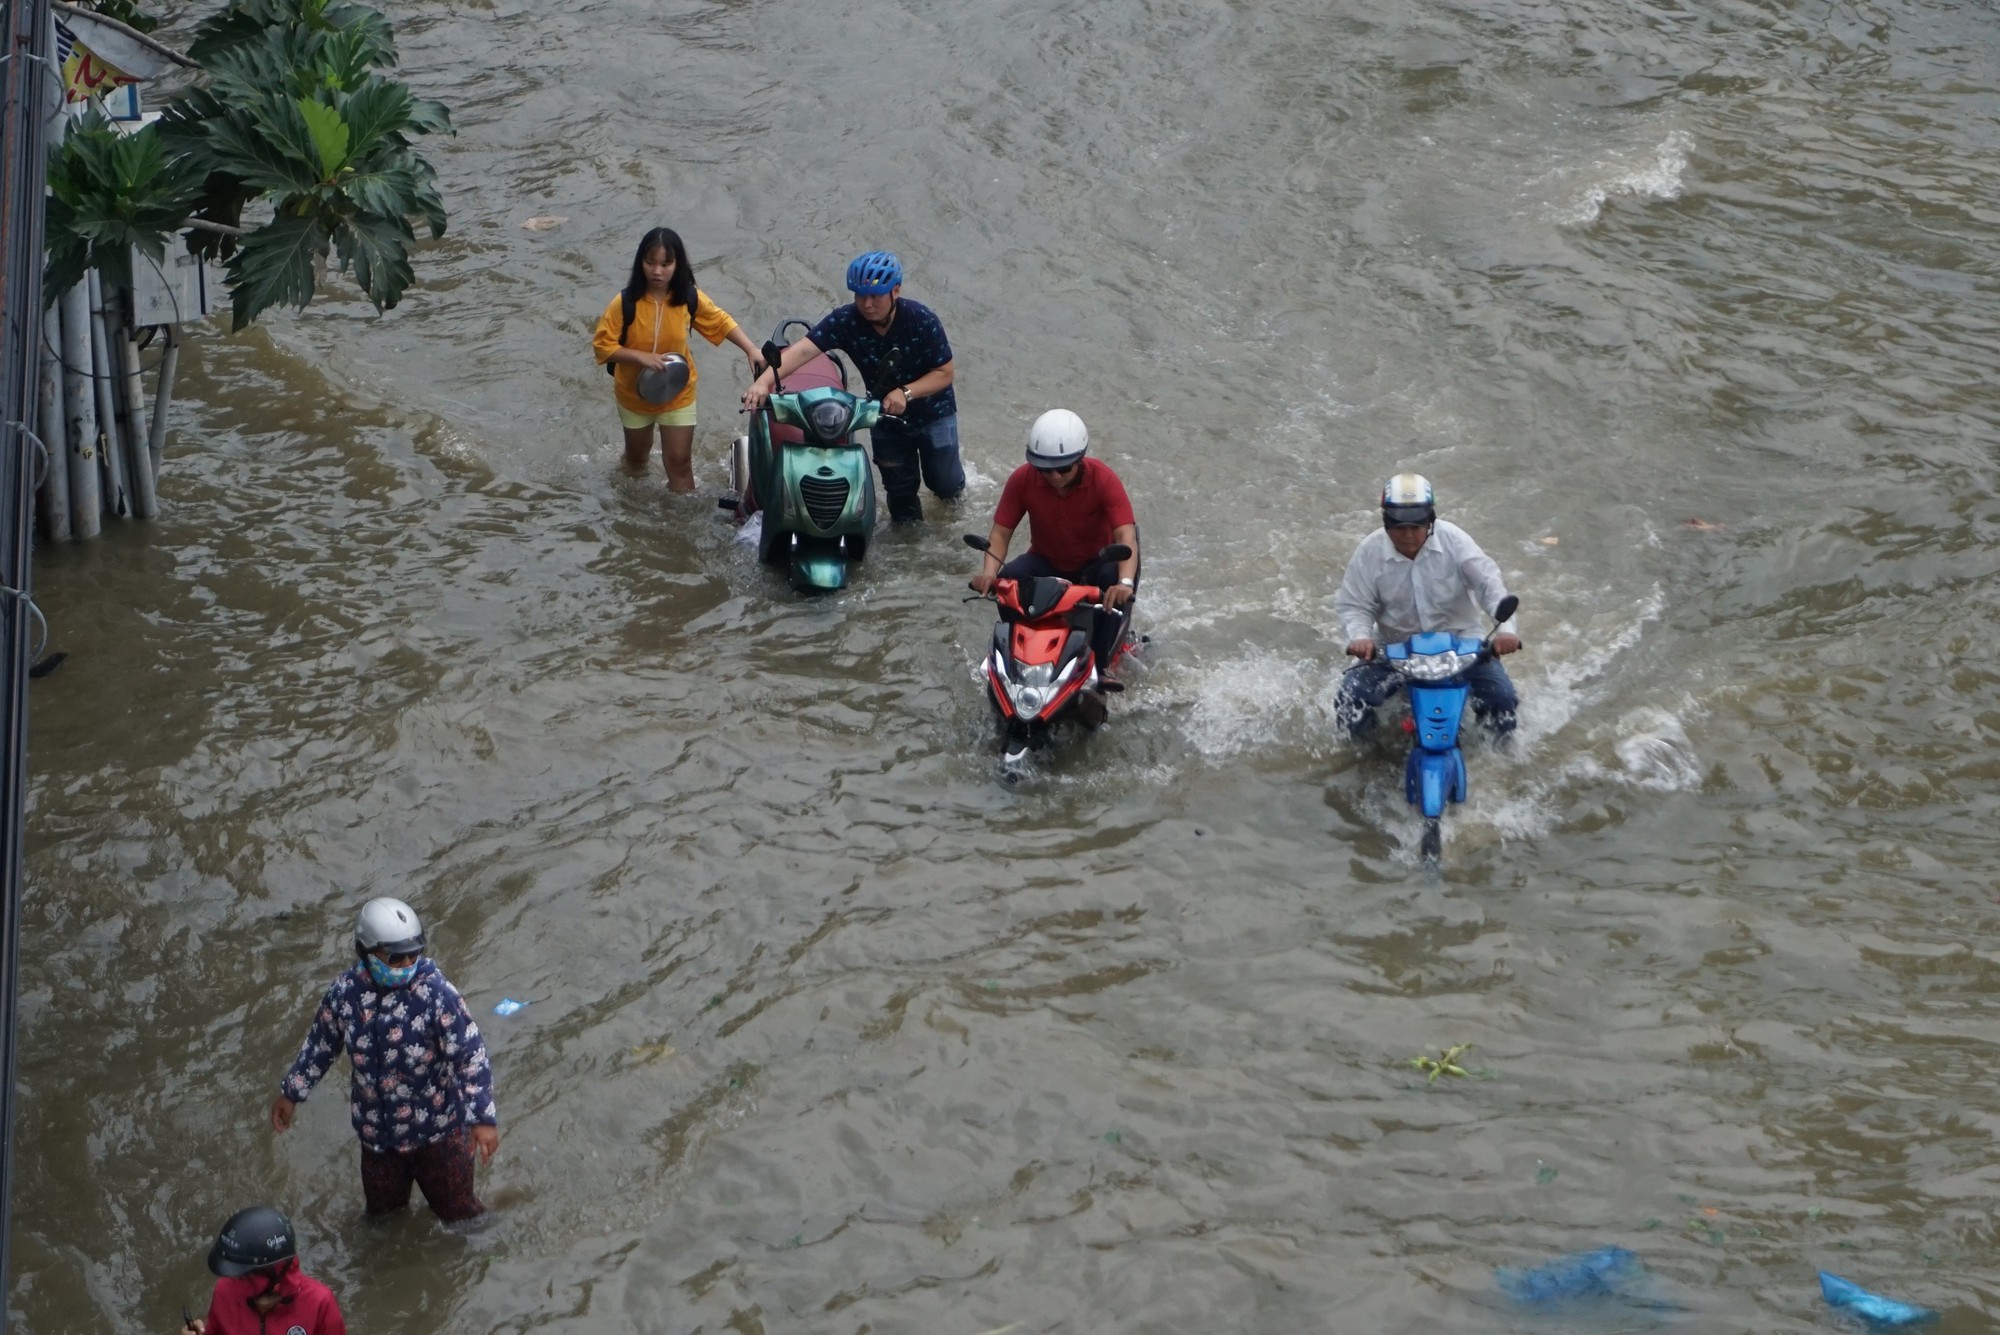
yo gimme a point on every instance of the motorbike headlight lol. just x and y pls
(1028, 700)
(1038, 674)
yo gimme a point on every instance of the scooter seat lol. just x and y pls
(821, 372)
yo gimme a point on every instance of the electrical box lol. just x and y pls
(180, 288)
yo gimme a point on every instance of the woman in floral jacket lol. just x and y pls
(421, 1092)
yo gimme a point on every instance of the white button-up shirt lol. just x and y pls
(1387, 597)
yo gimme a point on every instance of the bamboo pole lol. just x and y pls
(53, 428)
(110, 455)
(170, 361)
(86, 498)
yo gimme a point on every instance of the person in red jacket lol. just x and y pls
(261, 1290)
(1075, 507)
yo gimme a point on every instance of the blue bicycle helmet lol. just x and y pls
(875, 273)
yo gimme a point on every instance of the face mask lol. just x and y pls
(385, 976)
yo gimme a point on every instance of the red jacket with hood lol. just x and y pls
(305, 1306)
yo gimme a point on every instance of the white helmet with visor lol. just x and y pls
(1408, 499)
(1057, 439)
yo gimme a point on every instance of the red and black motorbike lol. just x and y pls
(1042, 670)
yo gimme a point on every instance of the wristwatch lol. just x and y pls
(907, 396)
(1128, 583)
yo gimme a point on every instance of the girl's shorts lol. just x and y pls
(672, 417)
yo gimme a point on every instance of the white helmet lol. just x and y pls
(1408, 499)
(1057, 439)
(388, 923)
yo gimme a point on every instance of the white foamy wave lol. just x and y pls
(1656, 753)
(1656, 178)
(1260, 699)
(1561, 693)
(751, 529)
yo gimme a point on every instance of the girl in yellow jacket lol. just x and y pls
(661, 292)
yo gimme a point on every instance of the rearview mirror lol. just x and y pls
(977, 543)
(1505, 611)
(1117, 551)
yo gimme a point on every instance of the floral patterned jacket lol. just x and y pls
(420, 1067)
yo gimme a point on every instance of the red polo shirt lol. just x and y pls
(1070, 529)
(306, 1307)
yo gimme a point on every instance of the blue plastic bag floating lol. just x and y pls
(1606, 1272)
(508, 1006)
(1880, 1313)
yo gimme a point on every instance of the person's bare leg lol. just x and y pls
(677, 448)
(638, 444)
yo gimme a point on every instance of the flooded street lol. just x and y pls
(1691, 314)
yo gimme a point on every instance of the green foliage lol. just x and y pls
(246, 21)
(126, 12)
(294, 116)
(110, 192)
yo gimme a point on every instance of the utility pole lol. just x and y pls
(28, 84)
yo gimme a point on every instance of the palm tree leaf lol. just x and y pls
(329, 135)
(430, 116)
(286, 162)
(390, 190)
(378, 248)
(376, 112)
(275, 267)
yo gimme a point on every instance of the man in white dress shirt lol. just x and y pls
(1419, 573)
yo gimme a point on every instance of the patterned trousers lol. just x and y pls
(443, 1169)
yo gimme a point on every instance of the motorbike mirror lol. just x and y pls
(1117, 551)
(977, 543)
(772, 351)
(1505, 611)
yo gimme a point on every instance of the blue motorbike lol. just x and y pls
(1433, 667)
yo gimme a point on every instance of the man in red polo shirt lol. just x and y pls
(262, 1291)
(1075, 507)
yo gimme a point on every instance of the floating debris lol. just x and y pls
(1701, 525)
(652, 1052)
(1609, 1271)
(1445, 1063)
(544, 222)
(508, 1006)
(1878, 1312)
(1549, 541)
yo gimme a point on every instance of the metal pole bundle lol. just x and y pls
(25, 83)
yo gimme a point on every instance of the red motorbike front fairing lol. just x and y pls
(1042, 641)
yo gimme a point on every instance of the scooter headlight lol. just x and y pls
(828, 418)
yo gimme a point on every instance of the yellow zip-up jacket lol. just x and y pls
(657, 327)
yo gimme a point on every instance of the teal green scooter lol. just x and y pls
(801, 468)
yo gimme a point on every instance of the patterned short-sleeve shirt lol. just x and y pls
(914, 345)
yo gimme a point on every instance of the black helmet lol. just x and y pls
(252, 1239)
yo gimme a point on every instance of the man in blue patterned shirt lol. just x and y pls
(900, 349)
(421, 1091)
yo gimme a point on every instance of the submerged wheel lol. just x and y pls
(1432, 847)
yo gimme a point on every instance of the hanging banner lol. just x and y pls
(86, 74)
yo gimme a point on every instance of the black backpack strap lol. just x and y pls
(629, 305)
